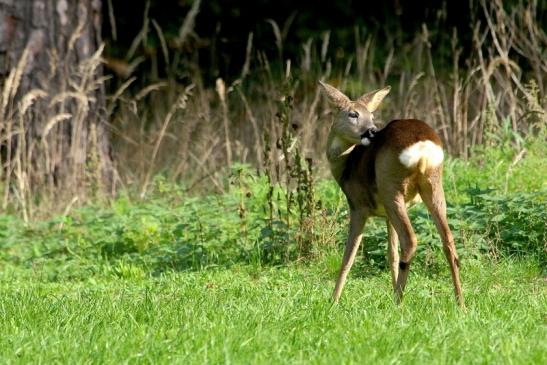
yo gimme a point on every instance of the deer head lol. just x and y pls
(354, 123)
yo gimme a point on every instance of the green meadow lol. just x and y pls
(192, 280)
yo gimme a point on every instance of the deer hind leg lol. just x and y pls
(393, 253)
(432, 193)
(398, 217)
(357, 223)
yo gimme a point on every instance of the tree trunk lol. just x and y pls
(52, 107)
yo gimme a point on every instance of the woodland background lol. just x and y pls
(165, 197)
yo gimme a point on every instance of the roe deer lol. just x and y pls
(381, 173)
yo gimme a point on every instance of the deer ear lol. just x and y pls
(373, 99)
(336, 97)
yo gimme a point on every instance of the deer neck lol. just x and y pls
(338, 151)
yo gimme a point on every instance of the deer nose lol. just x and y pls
(368, 136)
(369, 133)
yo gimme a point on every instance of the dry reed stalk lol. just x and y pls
(200, 168)
(221, 91)
(66, 212)
(362, 55)
(112, 20)
(141, 36)
(188, 24)
(10, 90)
(306, 58)
(438, 92)
(163, 44)
(278, 38)
(181, 104)
(257, 140)
(325, 46)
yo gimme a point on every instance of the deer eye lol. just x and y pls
(353, 114)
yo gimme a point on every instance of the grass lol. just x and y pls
(275, 315)
(170, 280)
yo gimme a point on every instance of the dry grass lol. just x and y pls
(50, 155)
(502, 82)
(192, 132)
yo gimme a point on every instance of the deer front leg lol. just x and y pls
(357, 223)
(393, 253)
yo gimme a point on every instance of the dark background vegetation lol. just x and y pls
(222, 27)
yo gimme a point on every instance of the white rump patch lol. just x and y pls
(432, 153)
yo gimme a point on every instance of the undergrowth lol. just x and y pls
(259, 222)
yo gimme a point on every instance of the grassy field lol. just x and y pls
(246, 276)
(275, 315)
(181, 279)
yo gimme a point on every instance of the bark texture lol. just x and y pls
(56, 44)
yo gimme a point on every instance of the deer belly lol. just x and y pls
(380, 211)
